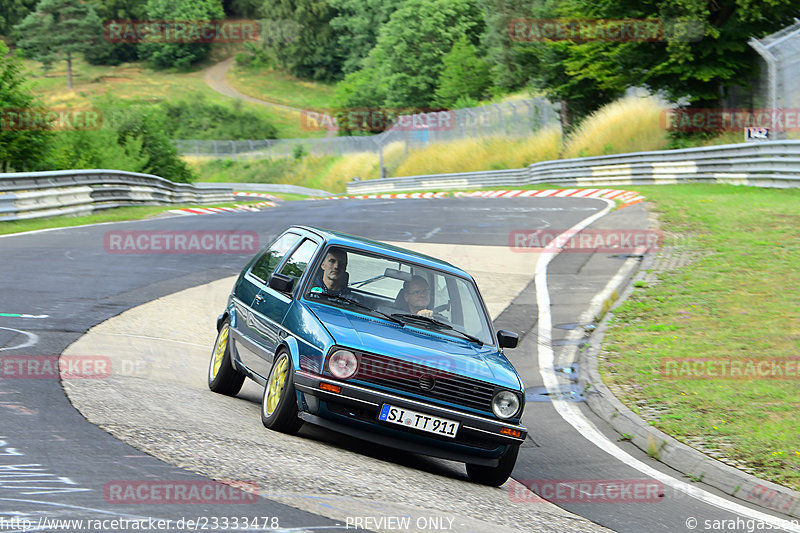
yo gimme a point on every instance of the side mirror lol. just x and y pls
(507, 339)
(281, 283)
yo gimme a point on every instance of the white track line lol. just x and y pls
(33, 338)
(573, 415)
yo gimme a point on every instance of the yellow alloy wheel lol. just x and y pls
(276, 384)
(219, 351)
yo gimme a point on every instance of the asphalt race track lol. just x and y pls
(168, 430)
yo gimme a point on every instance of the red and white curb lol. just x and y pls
(257, 195)
(216, 210)
(391, 196)
(626, 197)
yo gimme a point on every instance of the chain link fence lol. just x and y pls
(779, 86)
(518, 118)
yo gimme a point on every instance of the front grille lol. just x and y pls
(426, 381)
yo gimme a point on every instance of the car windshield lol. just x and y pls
(406, 293)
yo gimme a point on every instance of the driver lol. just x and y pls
(333, 276)
(417, 296)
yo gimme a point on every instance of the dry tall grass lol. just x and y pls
(493, 153)
(363, 164)
(631, 124)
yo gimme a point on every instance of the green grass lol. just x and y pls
(282, 195)
(738, 300)
(273, 85)
(137, 82)
(307, 172)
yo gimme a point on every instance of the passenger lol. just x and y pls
(417, 296)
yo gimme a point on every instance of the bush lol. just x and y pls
(131, 138)
(96, 149)
(201, 120)
(147, 126)
(20, 149)
(255, 56)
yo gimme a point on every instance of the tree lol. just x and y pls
(21, 148)
(682, 64)
(518, 62)
(357, 24)
(363, 89)
(465, 75)
(314, 52)
(242, 8)
(111, 11)
(179, 54)
(12, 12)
(59, 29)
(413, 42)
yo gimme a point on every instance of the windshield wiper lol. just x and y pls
(362, 306)
(439, 323)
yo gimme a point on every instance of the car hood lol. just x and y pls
(416, 345)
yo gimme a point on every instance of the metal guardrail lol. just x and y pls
(767, 164)
(26, 195)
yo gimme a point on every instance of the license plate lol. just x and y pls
(416, 420)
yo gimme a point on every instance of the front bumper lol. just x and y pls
(355, 409)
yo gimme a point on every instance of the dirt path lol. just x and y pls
(215, 78)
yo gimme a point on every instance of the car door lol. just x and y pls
(248, 338)
(270, 306)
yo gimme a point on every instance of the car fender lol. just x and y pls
(221, 318)
(290, 345)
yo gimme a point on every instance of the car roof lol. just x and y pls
(352, 241)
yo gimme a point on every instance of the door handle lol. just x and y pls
(259, 298)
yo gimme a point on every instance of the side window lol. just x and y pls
(263, 268)
(298, 261)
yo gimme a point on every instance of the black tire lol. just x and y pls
(495, 475)
(222, 377)
(279, 403)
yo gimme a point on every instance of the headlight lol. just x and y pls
(343, 364)
(505, 404)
